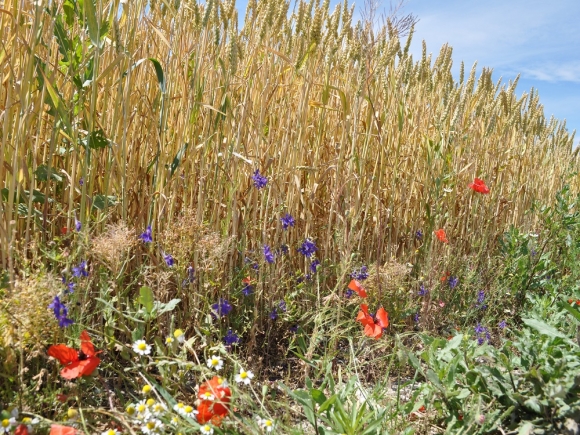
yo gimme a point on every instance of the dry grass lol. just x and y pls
(361, 142)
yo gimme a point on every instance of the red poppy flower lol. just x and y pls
(247, 280)
(355, 286)
(21, 429)
(57, 429)
(76, 363)
(441, 235)
(479, 186)
(216, 409)
(445, 277)
(373, 325)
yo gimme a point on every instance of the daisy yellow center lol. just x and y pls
(169, 340)
(206, 428)
(147, 389)
(207, 394)
(5, 422)
(215, 361)
(188, 409)
(140, 408)
(111, 432)
(268, 423)
(180, 405)
(178, 333)
(142, 346)
(158, 408)
(26, 420)
(243, 375)
(72, 413)
(131, 410)
(150, 402)
(150, 425)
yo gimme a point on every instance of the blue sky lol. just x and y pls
(536, 38)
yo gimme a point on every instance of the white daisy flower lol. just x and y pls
(188, 411)
(215, 362)
(151, 426)
(146, 389)
(140, 347)
(142, 409)
(179, 335)
(266, 424)
(158, 408)
(206, 429)
(207, 396)
(29, 422)
(179, 408)
(6, 425)
(110, 432)
(244, 376)
(169, 340)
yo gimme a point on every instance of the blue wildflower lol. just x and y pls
(80, 270)
(247, 290)
(422, 290)
(282, 250)
(70, 287)
(294, 329)
(146, 236)
(268, 254)
(308, 248)
(222, 307)
(60, 312)
(259, 180)
(314, 266)
(168, 259)
(287, 221)
(282, 306)
(481, 300)
(78, 225)
(416, 317)
(360, 274)
(502, 324)
(348, 293)
(231, 338)
(482, 334)
(81, 181)
(419, 235)
(453, 281)
(274, 314)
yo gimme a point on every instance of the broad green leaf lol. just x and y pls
(146, 298)
(326, 405)
(100, 202)
(169, 306)
(575, 313)
(92, 23)
(543, 328)
(318, 396)
(42, 174)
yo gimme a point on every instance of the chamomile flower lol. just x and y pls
(266, 424)
(6, 425)
(188, 411)
(215, 362)
(169, 340)
(146, 389)
(206, 429)
(179, 408)
(110, 432)
(174, 420)
(140, 347)
(151, 426)
(150, 402)
(142, 410)
(158, 408)
(29, 422)
(207, 396)
(244, 376)
(72, 414)
(179, 335)
(131, 410)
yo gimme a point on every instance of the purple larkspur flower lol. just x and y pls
(146, 235)
(314, 266)
(222, 307)
(80, 270)
(259, 180)
(348, 293)
(502, 324)
(419, 235)
(274, 314)
(282, 306)
(231, 338)
(481, 300)
(268, 254)
(282, 250)
(70, 287)
(533, 253)
(287, 221)
(308, 248)
(81, 181)
(60, 312)
(247, 290)
(294, 329)
(78, 225)
(453, 281)
(169, 259)
(422, 290)
(360, 274)
(416, 317)
(482, 334)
